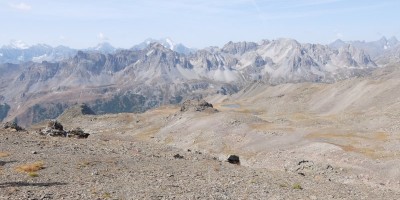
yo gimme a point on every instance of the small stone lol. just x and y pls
(34, 152)
(234, 159)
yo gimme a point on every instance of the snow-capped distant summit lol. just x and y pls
(17, 44)
(18, 52)
(167, 43)
(103, 47)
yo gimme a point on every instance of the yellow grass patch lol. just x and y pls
(370, 152)
(4, 154)
(344, 135)
(147, 132)
(30, 167)
(381, 136)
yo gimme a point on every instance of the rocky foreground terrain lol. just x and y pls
(122, 168)
(182, 152)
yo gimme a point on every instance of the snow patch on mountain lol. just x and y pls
(167, 43)
(103, 47)
(18, 44)
(40, 58)
(170, 43)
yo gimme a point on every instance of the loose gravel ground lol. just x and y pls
(96, 168)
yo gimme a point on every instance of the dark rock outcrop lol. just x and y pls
(177, 156)
(56, 129)
(77, 133)
(197, 105)
(55, 125)
(12, 126)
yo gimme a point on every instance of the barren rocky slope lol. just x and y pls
(346, 132)
(335, 141)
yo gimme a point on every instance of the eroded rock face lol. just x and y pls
(12, 126)
(55, 125)
(54, 129)
(197, 105)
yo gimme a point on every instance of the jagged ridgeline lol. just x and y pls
(41, 112)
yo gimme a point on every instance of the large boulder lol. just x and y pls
(53, 128)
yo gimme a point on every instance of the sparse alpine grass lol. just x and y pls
(33, 174)
(297, 186)
(106, 195)
(283, 185)
(30, 167)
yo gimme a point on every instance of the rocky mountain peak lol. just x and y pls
(103, 47)
(393, 40)
(167, 43)
(337, 44)
(239, 47)
(287, 42)
(383, 39)
(374, 49)
(157, 46)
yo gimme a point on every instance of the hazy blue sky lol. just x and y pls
(196, 23)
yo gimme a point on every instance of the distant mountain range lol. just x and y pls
(382, 51)
(152, 74)
(19, 52)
